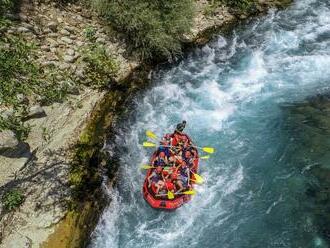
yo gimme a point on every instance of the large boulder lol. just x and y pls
(36, 112)
(8, 139)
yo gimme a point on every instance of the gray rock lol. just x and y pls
(48, 63)
(22, 17)
(80, 73)
(53, 49)
(7, 113)
(21, 98)
(64, 32)
(66, 40)
(52, 26)
(23, 30)
(69, 29)
(47, 31)
(78, 8)
(100, 40)
(53, 35)
(8, 139)
(70, 52)
(69, 59)
(28, 26)
(78, 18)
(80, 43)
(45, 48)
(36, 112)
(64, 66)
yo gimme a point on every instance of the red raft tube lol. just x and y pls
(162, 202)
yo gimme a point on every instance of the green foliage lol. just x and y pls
(6, 5)
(101, 67)
(22, 80)
(89, 33)
(153, 27)
(21, 76)
(238, 5)
(17, 73)
(13, 199)
(15, 124)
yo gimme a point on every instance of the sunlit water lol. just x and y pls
(231, 92)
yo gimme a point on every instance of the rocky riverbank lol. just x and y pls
(57, 168)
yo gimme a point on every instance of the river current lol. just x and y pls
(232, 93)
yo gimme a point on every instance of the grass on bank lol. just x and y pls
(153, 28)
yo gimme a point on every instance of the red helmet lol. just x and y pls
(162, 154)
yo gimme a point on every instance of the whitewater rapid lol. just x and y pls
(230, 92)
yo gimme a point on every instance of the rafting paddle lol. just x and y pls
(205, 149)
(198, 178)
(146, 167)
(151, 135)
(149, 144)
(170, 194)
(189, 192)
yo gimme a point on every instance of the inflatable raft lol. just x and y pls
(161, 201)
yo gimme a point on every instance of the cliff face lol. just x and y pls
(41, 166)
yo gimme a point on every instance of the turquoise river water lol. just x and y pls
(233, 93)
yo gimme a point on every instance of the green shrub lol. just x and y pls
(101, 67)
(89, 33)
(152, 27)
(23, 81)
(13, 199)
(241, 5)
(15, 124)
(5, 6)
(21, 76)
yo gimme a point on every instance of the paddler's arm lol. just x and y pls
(188, 170)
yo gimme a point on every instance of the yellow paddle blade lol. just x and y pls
(189, 192)
(146, 167)
(151, 135)
(208, 149)
(198, 179)
(149, 144)
(205, 157)
(170, 195)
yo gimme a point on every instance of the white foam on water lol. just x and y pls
(107, 232)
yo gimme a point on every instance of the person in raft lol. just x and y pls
(160, 160)
(173, 162)
(156, 179)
